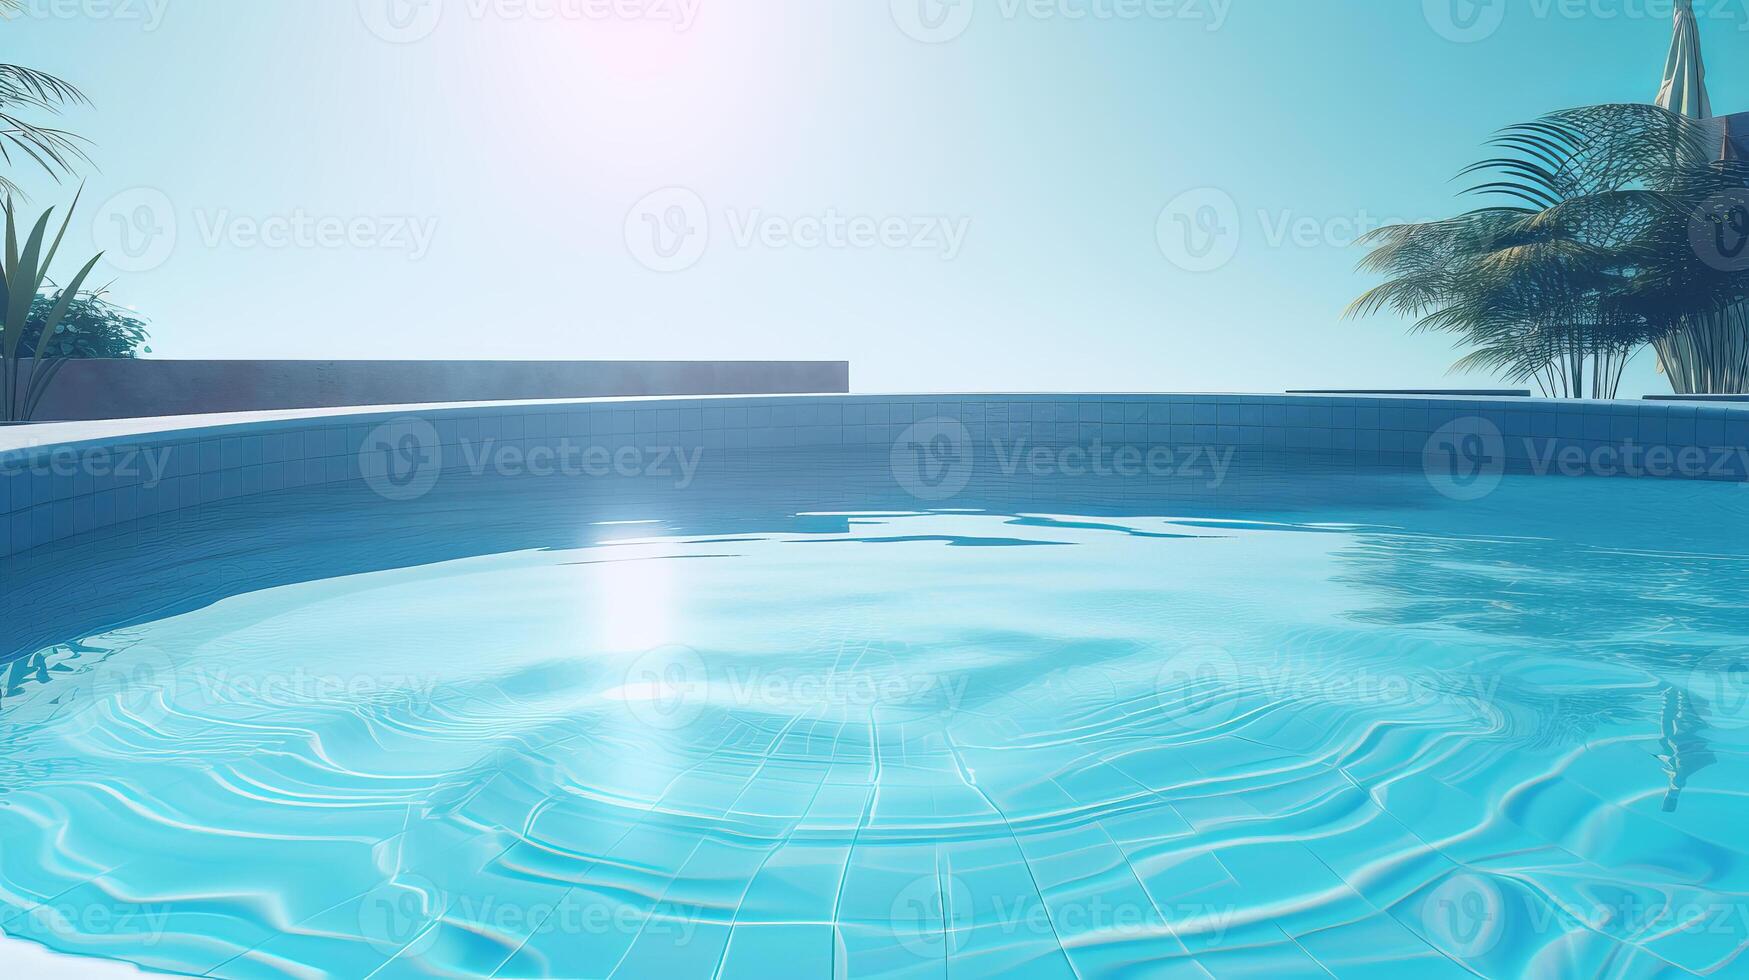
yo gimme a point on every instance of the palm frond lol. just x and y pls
(1580, 254)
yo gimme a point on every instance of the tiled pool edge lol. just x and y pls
(208, 460)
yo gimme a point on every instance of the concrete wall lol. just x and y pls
(121, 389)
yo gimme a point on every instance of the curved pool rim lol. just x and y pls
(49, 491)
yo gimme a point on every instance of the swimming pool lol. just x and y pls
(973, 695)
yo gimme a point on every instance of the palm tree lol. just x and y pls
(1706, 350)
(26, 92)
(1585, 256)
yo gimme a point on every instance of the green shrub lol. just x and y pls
(92, 327)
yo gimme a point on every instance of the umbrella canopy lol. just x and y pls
(1684, 89)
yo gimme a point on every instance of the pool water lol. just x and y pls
(791, 721)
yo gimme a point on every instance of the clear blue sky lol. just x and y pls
(984, 211)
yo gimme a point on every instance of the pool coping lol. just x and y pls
(62, 480)
(116, 431)
(48, 435)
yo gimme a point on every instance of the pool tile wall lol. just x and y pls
(52, 492)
